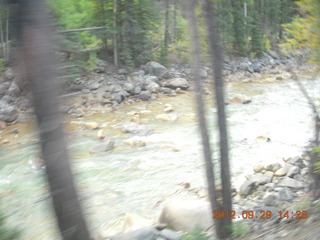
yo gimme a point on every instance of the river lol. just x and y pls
(136, 180)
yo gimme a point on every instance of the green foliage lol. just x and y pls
(195, 234)
(239, 229)
(5, 232)
(304, 30)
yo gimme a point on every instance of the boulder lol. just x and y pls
(258, 168)
(167, 117)
(166, 90)
(281, 172)
(184, 215)
(153, 87)
(101, 134)
(102, 147)
(289, 182)
(122, 71)
(136, 128)
(239, 99)
(247, 188)
(3, 89)
(91, 125)
(156, 69)
(175, 83)
(261, 179)
(135, 142)
(8, 113)
(293, 170)
(14, 90)
(297, 161)
(145, 95)
(270, 200)
(286, 195)
(8, 74)
(273, 167)
(94, 86)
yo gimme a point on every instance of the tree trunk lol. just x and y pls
(224, 232)
(115, 34)
(207, 152)
(37, 53)
(167, 25)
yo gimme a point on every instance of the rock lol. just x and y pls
(149, 79)
(273, 54)
(137, 90)
(297, 161)
(169, 234)
(270, 186)
(8, 113)
(3, 89)
(247, 188)
(256, 67)
(136, 128)
(135, 142)
(145, 95)
(36, 162)
(268, 173)
(258, 168)
(293, 170)
(153, 87)
(129, 87)
(166, 90)
(2, 125)
(167, 117)
(136, 76)
(168, 108)
(119, 96)
(281, 172)
(175, 83)
(261, 179)
(239, 99)
(147, 233)
(285, 194)
(14, 90)
(91, 125)
(184, 215)
(8, 74)
(157, 69)
(289, 182)
(273, 167)
(94, 86)
(122, 71)
(203, 73)
(103, 147)
(270, 200)
(101, 134)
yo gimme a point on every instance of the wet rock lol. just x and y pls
(289, 182)
(239, 99)
(135, 142)
(14, 90)
(286, 195)
(136, 128)
(103, 147)
(147, 233)
(175, 83)
(247, 188)
(156, 69)
(167, 117)
(91, 125)
(168, 108)
(258, 168)
(153, 87)
(293, 170)
(36, 162)
(101, 134)
(183, 215)
(145, 95)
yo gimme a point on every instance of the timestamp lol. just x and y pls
(259, 214)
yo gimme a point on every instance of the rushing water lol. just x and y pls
(135, 180)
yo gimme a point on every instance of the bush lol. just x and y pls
(195, 234)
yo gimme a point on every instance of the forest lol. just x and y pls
(159, 119)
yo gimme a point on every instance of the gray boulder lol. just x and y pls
(14, 90)
(8, 113)
(247, 188)
(153, 87)
(145, 95)
(136, 128)
(3, 89)
(156, 69)
(175, 83)
(289, 182)
(103, 147)
(8, 74)
(286, 195)
(270, 200)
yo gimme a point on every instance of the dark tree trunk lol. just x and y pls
(37, 53)
(220, 100)
(207, 152)
(167, 25)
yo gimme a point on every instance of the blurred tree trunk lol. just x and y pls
(37, 54)
(207, 152)
(220, 101)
